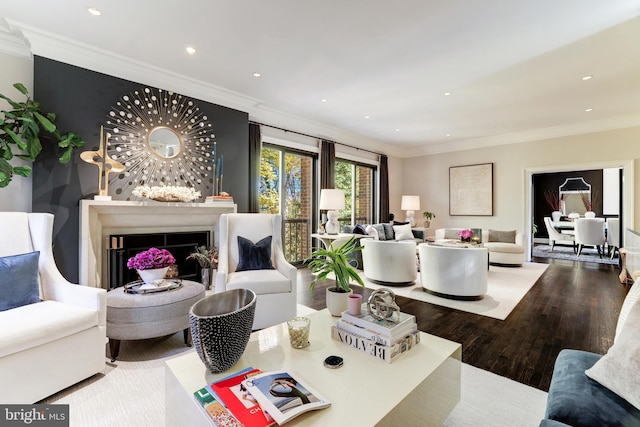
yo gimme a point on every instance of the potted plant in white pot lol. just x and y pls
(334, 261)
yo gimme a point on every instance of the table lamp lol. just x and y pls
(332, 200)
(410, 204)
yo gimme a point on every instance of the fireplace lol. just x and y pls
(102, 220)
(122, 247)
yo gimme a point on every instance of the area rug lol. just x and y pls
(566, 252)
(131, 391)
(506, 287)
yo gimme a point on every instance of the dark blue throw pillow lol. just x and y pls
(19, 280)
(254, 256)
(359, 229)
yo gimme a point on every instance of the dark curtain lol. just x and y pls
(384, 189)
(327, 164)
(255, 144)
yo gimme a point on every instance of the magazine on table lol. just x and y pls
(284, 395)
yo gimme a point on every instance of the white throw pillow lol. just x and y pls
(632, 296)
(618, 369)
(403, 232)
(371, 232)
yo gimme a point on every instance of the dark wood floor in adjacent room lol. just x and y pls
(572, 305)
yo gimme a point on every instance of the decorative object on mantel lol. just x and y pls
(552, 198)
(21, 127)
(208, 260)
(166, 193)
(105, 166)
(223, 197)
(162, 137)
(151, 264)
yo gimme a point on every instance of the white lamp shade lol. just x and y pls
(332, 199)
(410, 203)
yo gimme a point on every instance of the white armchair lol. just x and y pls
(49, 345)
(556, 237)
(389, 262)
(590, 232)
(613, 235)
(276, 288)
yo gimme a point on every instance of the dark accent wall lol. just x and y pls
(552, 181)
(81, 100)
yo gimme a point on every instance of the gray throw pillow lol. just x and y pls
(502, 236)
(388, 232)
(381, 233)
(451, 233)
(19, 280)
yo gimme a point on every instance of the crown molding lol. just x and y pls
(560, 131)
(13, 42)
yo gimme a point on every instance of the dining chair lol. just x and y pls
(556, 237)
(590, 232)
(613, 236)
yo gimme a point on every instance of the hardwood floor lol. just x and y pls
(572, 305)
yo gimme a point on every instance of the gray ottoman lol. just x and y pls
(141, 316)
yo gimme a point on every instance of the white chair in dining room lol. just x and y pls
(556, 237)
(613, 236)
(590, 232)
(251, 257)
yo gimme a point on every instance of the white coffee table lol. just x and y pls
(420, 388)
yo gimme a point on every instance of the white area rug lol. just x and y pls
(131, 392)
(506, 287)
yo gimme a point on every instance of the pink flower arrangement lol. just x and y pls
(152, 258)
(465, 234)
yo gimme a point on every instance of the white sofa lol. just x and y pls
(47, 346)
(389, 262)
(503, 253)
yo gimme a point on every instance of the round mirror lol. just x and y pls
(164, 142)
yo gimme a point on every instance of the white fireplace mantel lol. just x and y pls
(99, 219)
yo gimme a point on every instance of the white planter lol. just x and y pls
(337, 302)
(555, 216)
(589, 214)
(152, 275)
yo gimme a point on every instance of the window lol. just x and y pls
(357, 181)
(286, 187)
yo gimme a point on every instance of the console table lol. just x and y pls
(420, 388)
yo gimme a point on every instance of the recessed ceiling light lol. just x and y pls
(324, 100)
(448, 134)
(397, 130)
(191, 50)
(588, 110)
(367, 117)
(447, 93)
(94, 11)
(587, 78)
(256, 74)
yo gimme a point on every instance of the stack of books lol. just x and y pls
(383, 339)
(219, 199)
(252, 398)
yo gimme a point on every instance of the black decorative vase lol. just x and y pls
(220, 327)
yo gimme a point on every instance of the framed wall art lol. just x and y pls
(471, 190)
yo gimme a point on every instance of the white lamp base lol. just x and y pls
(332, 226)
(410, 219)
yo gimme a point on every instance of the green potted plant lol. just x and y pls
(334, 260)
(428, 216)
(20, 135)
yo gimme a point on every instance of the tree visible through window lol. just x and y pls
(356, 181)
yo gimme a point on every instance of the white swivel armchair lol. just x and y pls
(613, 236)
(389, 262)
(556, 237)
(590, 232)
(275, 287)
(50, 345)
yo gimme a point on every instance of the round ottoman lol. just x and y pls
(141, 316)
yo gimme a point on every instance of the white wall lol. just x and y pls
(428, 176)
(16, 196)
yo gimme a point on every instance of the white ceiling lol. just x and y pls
(514, 67)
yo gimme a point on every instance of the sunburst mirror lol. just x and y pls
(163, 139)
